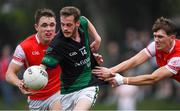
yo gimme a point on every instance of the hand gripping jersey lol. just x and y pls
(170, 60)
(75, 58)
(30, 52)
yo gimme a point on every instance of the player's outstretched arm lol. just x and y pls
(102, 72)
(147, 79)
(134, 61)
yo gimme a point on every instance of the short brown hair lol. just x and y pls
(71, 10)
(43, 12)
(166, 24)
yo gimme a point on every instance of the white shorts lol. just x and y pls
(43, 105)
(68, 101)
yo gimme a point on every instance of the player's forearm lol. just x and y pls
(140, 80)
(122, 66)
(134, 61)
(12, 78)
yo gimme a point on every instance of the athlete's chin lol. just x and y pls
(48, 39)
(67, 35)
(159, 48)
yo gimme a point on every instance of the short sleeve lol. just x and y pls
(18, 56)
(83, 22)
(150, 49)
(174, 65)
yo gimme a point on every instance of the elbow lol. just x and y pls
(98, 39)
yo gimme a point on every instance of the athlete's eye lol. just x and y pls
(44, 25)
(52, 24)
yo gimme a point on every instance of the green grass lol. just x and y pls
(163, 104)
(147, 104)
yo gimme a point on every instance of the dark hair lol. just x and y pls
(71, 10)
(165, 24)
(43, 12)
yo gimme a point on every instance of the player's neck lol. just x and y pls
(170, 47)
(76, 37)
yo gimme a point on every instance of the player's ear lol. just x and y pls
(173, 36)
(78, 23)
(36, 27)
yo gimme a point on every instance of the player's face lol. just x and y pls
(69, 26)
(46, 29)
(162, 40)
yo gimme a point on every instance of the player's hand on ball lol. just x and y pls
(22, 88)
(102, 72)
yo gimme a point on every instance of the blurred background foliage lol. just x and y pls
(113, 19)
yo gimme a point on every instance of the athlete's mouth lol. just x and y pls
(48, 34)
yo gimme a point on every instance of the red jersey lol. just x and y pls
(170, 60)
(30, 52)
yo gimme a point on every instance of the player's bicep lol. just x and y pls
(13, 68)
(12, 72)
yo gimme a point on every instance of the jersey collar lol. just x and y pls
(174, 43)
(37, 39)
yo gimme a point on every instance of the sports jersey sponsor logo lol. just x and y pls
(176, 62)
(35, 53)
(72, 53)
(83, 62)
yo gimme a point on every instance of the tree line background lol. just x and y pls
(110, 17)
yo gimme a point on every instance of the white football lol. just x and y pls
(35, 77)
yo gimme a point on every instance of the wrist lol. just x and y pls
(111, 72)
(126, 80)
(119, 79)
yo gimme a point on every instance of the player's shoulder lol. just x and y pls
(29, 41)
(83, 21)
(177, 45)
(82, 18)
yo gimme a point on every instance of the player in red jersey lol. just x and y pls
(166, 49)
(30, 52)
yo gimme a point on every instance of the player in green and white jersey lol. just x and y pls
(72, 50)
